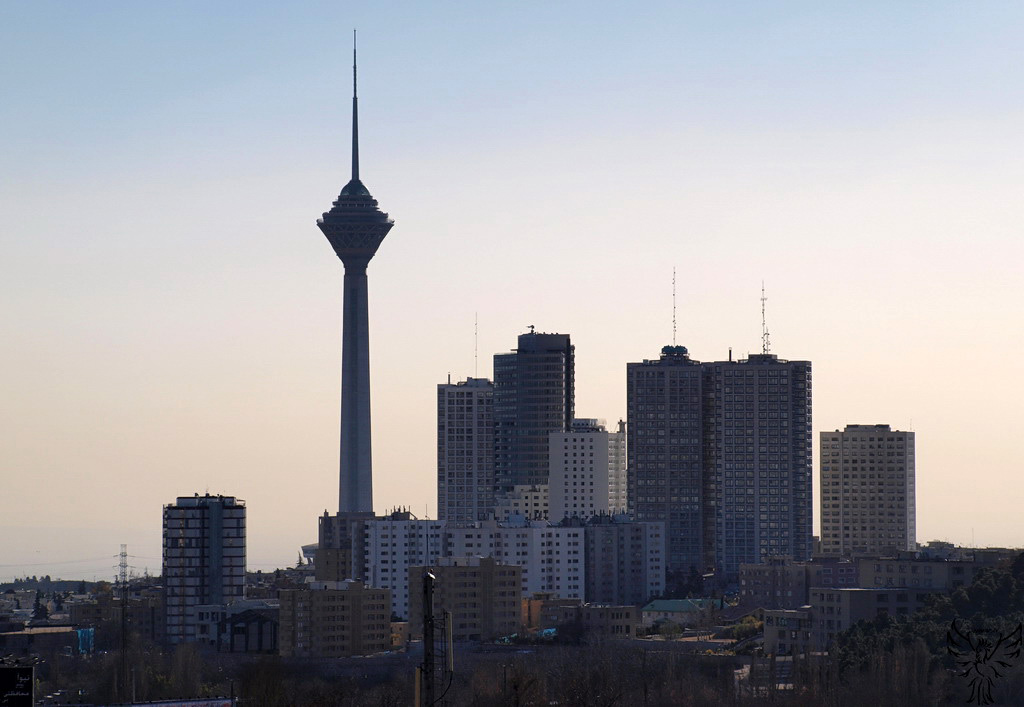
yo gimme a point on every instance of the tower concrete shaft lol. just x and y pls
(355, 228)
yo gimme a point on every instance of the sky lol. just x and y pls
(170, 315)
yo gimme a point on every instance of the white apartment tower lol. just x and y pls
(868, 502)
(553, 559)
(203, 558)
(587, 471)
(465, 450)
(393, 545)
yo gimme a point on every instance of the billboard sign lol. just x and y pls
(17, 686)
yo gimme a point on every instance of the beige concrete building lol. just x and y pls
(483, 596)
(867, 491)
(334, 620)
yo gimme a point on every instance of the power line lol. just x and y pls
(60, 562)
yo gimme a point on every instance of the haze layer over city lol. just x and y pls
(171, 314)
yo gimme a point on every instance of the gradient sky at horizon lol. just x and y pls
(170, 314)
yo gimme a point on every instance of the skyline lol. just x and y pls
(172, 315)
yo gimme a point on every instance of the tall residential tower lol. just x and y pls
(868, 493)
(203, 558)
(465, 450)
(355, 228)
(665, 449)
(533, 397)
(721, 452)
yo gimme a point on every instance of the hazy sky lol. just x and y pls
(170, 315)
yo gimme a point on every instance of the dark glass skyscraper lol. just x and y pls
(533, 396)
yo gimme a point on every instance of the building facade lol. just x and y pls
(465, 451)
(533, 397)
(721, 452)
(334, 620)
(482, 595)
(868, 491)
(203, 558)
(665, 450)
(525, 501)
(625, 561)
(759, 428)
(396, 543)
(552, 558)
(782, 583)
(587, 472)
(917, 574)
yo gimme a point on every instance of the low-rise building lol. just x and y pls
(934, 575)
(831, 611)
(779, 583)
(682, 612)
(247, 626)
(334, 620)
(543, 610)
(482, 595)
(788, 631)
(783, 583)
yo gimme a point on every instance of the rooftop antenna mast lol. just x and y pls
(766, 343)
(476, 342)
(673, 305)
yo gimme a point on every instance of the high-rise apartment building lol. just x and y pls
(665, 449)
(759, 457)
(465, 450)
(533, 397)
(587, 471)
(721, 452)
(868, 493)
(203, 558)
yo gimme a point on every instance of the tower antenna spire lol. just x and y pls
(355, 117)
(476, 343)
(673, 305)
(765, 341)
(355, 114)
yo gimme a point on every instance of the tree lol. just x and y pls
(39, 610)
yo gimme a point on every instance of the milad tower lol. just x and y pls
(355, 228)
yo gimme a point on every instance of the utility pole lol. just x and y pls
(426, 675)
(428, 639)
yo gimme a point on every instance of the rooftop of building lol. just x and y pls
(206, 500)
(677, 606)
